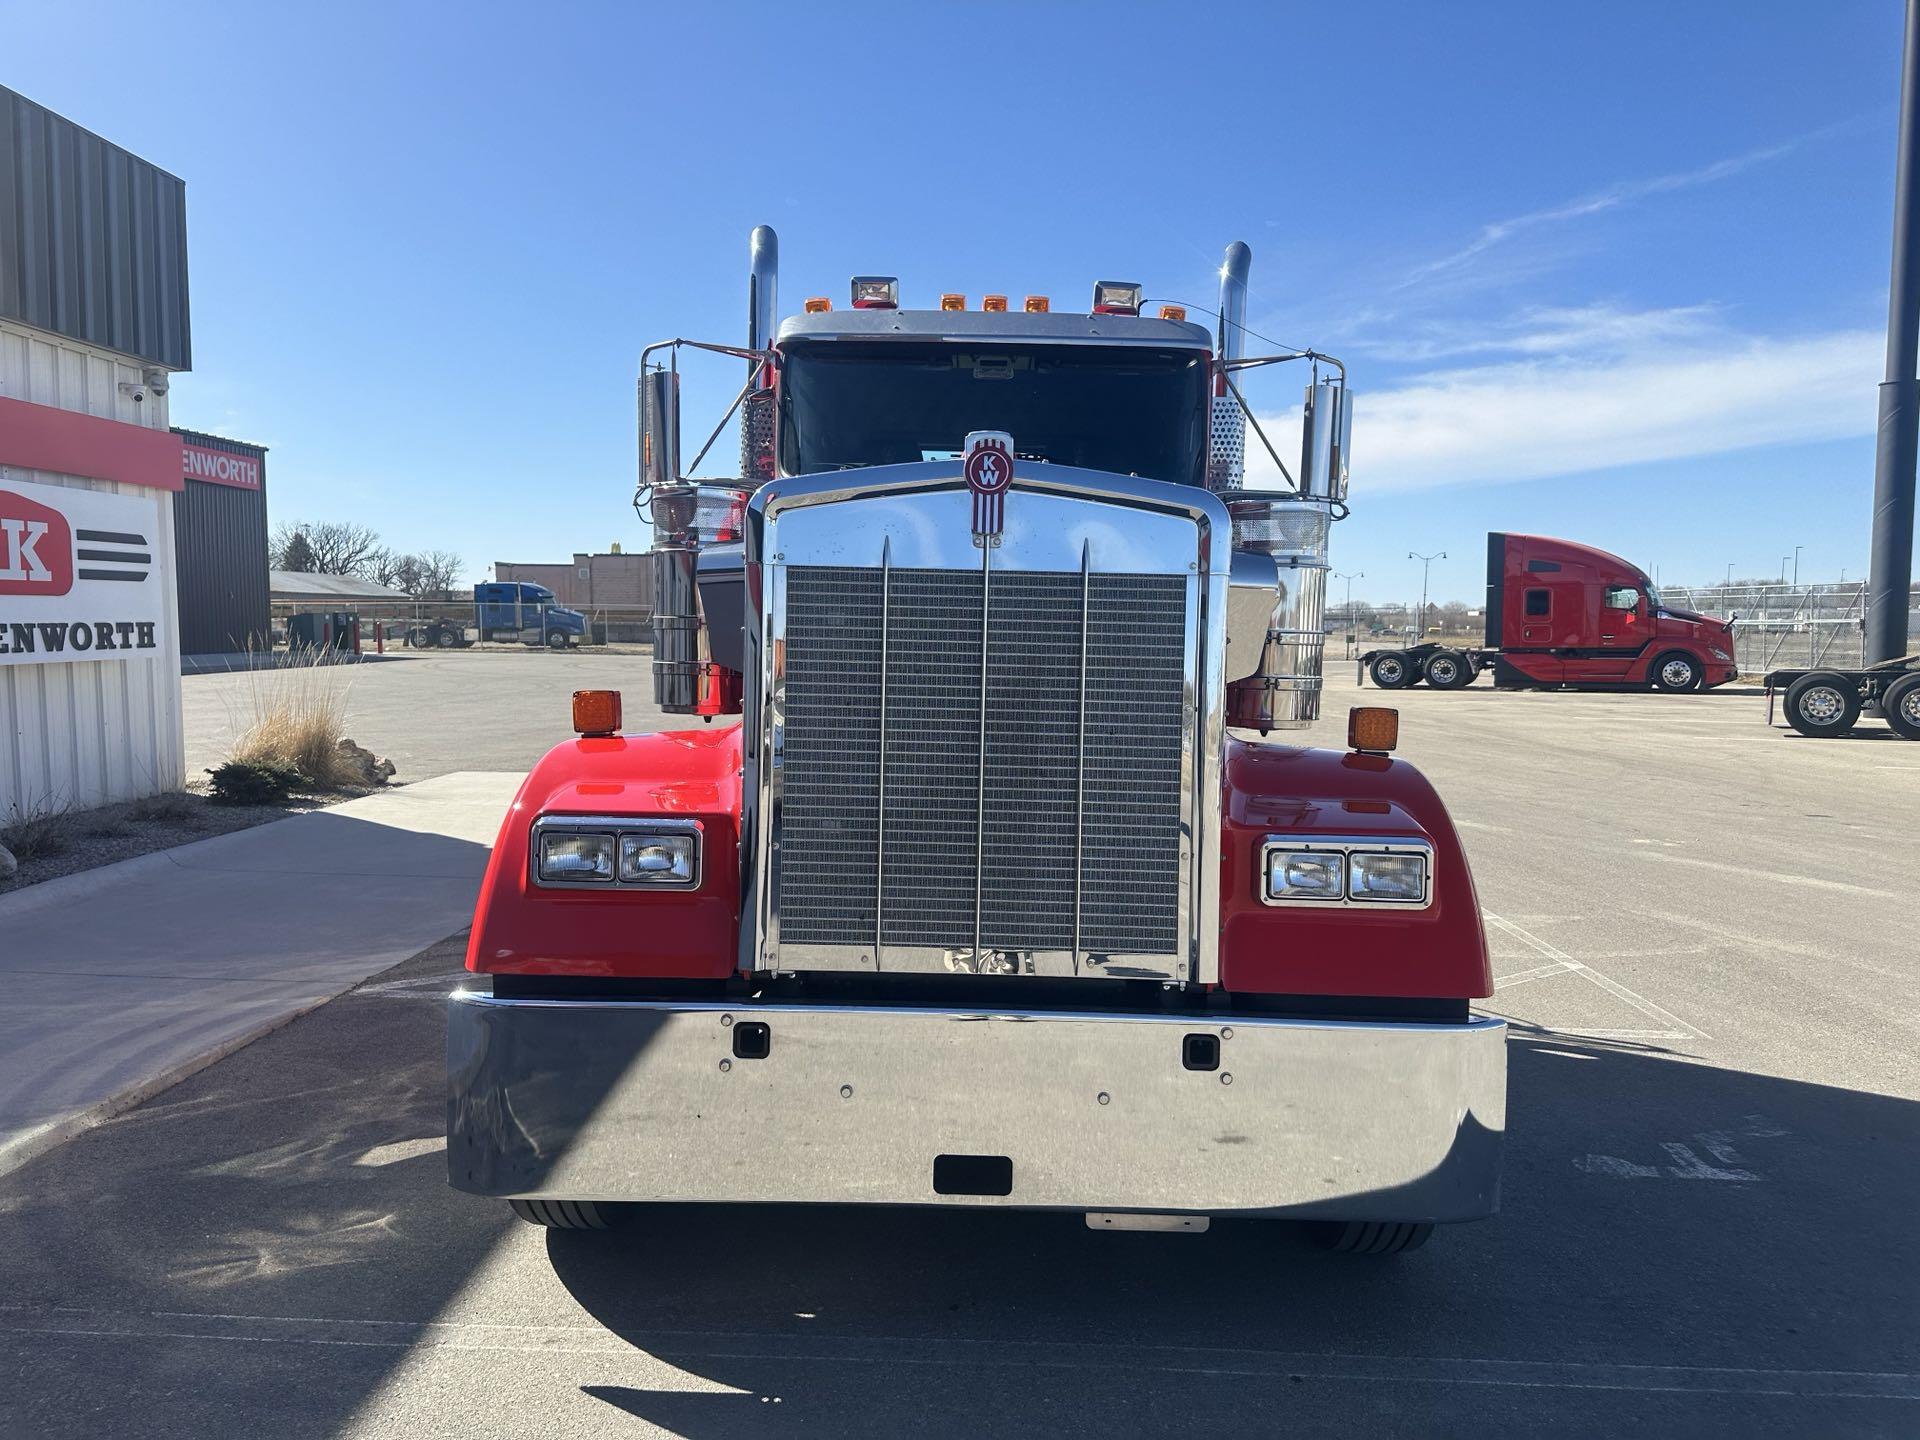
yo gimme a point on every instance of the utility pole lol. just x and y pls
(1426, 563)
(1343, 575)
(1890, 571)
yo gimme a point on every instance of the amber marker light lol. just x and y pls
(596, 712)
(1373, 728)
(1173, 312)
(1038, 305)
(819, 305)
(951, 301)
(994, 304)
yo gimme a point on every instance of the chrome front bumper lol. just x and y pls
(644, 1100)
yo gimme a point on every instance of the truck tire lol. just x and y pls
(1448, 670)
(556, 639)
(445, 638)
(1368, 1237)
(570, 1214)
(1900, 703)
(1823, 703)
(1391, 671)
(1677, 671)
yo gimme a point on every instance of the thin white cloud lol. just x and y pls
(1546, 330)
(1611, 198)
(1535, 418)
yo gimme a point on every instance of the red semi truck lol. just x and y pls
(1562, 615)
(986, 890)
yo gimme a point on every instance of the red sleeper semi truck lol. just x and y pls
(986, 890)
(1562, 615)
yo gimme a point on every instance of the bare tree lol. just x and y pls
(439, 572)
(334, 547)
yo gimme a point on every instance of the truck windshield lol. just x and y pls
(1129, 411)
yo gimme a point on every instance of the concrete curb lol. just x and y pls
(54, 1133)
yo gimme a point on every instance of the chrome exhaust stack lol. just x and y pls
(763, 316)
(1277, 600)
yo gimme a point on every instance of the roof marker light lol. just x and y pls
(994, 304)
(1116, 297)
(1038, 305)
(1173, 312)
(876, 292)
(951, 301)
(818, 305)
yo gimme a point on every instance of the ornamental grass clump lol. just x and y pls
(293, 717)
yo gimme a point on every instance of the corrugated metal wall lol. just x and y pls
(220, 544)
(93, 240)
(80, 735)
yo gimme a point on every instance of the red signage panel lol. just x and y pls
(66, 442)
(219, 467)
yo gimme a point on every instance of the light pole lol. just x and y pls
(1796, 564)
(1426, 564)
(1356, 575)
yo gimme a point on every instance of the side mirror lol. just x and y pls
(1326, 430)
(659, 428)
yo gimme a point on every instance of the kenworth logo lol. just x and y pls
(221, 467)
(36, 548)
(78, 575)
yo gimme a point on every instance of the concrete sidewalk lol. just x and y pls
(121, 981)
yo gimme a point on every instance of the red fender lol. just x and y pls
(1439, 952)
(519, 928)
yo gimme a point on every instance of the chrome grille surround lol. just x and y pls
(864, 728)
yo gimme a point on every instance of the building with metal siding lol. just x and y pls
(93, 318)
(93, 240)
(220, 550)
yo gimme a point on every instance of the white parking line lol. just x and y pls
(1774, 877)
(1679, 1029)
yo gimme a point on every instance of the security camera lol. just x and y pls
(156, 380)
(135, 393)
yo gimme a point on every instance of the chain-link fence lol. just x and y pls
(1781, 626)
(427, 624)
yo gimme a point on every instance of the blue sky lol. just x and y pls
(1612, 272)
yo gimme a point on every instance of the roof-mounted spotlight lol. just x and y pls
(876, 292)
(1116, 297)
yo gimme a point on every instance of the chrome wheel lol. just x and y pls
(1443, 672)
(1676, 674)
(1389, 672)
(1910, 705)
(1823, 704)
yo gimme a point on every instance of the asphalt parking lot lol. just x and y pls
(1702, 930)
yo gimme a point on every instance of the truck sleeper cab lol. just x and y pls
(979, 901)
(1560, 615)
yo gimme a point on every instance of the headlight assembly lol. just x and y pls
(1359, 872)
(613, 852)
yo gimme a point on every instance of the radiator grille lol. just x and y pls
(1050, 782)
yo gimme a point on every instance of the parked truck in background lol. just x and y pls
(1565, 616)
(987, 890)
(506, 609)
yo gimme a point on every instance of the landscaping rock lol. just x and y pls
(363, 765)
(9, 866)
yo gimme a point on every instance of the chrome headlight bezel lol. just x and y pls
(616, 828)
(1348, 847)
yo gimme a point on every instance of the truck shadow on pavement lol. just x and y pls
(271, 1248)
(1737, 1230)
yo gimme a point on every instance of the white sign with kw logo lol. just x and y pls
(80, 577)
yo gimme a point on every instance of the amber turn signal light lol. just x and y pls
(597, 712)
(1373, 727)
